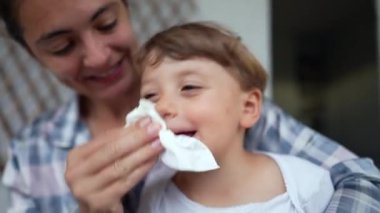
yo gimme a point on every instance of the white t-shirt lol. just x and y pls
(308, 189)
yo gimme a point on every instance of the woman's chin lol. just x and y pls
(118, 92)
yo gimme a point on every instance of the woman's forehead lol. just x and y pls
(56, 12)
(41, 16)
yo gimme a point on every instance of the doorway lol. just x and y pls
(325, 69)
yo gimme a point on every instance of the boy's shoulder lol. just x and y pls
(306, 183)
(268, 178)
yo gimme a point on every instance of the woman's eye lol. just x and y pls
(108, 27)
(61, 51)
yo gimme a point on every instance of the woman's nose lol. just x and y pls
(166, 108)
(96, 53)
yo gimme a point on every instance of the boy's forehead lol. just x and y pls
(150, 59)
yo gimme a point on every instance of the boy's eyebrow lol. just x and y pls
(56, 33)
(188, 71)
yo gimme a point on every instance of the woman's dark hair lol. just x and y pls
(9, 14)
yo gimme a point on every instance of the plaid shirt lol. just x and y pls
(35, 172)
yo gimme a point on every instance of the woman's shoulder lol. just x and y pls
(47, 125)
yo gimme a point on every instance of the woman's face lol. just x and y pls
(86, 43)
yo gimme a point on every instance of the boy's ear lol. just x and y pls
(252, 102)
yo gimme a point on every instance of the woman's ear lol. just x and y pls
(252, 103)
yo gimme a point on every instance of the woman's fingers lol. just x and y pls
(133, 138)
(107, 198)
(123, 168)
(100, 172)
(121, 142)
(84, 151)
(126, 165)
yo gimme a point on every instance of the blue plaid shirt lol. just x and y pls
(35, 171)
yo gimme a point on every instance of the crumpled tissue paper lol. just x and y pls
(182, 153)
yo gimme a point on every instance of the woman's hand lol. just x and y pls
(100, 172)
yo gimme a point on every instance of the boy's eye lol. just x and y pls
(190, 90)
(150, 96)
(189, 87)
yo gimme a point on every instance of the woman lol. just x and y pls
(87, 44)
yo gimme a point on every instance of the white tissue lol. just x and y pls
(182, 152)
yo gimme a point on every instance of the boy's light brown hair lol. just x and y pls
(204, 40)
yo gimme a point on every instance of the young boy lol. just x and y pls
(206, 84)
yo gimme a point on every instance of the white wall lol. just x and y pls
(250, 19)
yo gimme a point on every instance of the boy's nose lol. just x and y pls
(166, 108)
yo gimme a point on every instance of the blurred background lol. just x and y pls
(321, 55)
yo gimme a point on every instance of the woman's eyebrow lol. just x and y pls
(51, 35)
(56, 33)
(101, 10)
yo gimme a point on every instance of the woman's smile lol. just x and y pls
(108, 77)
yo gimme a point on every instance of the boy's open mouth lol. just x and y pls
(187, 133)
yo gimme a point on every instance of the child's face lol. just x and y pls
(197, 97)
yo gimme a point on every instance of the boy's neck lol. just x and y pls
(237, 182)
(217, 181)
